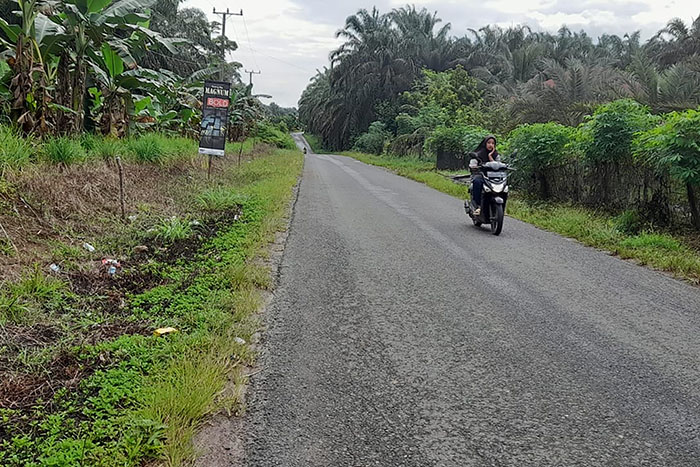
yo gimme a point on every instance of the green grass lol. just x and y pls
(169, 231)
(160, 149)
(106, 148)
(15, 150)
(33, 293)
(64, 151)
(315, 143)
(623, 235)
(149, 395)
(220, 198)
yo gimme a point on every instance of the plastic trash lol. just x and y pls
(239, 340)
(89, 247)
(55, 268)
(163, 331)
(112, 266)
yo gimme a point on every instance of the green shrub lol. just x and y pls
(629, 222)
(64, 150)
(674, 147)
(373, 141)
(273, 136)
(459, 139)
(538, 146)
(15, 150)
(612, 128)
(472, 135)
(146, 148)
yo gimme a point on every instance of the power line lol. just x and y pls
(250, 45)
(285, 62)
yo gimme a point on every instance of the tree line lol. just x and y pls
(524, 76)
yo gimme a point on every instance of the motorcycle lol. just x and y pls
(493, 197)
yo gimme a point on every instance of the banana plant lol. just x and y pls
(113, 99)
(122, 24)
(246, 109)
(28, 50)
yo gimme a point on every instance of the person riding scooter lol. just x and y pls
(485, 152)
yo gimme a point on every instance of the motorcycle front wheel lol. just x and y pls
(496, 219)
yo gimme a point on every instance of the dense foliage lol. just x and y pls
(113, 66)
(521, 75)
(592, 111)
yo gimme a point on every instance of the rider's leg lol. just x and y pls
(477, 186)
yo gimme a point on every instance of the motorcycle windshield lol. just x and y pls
(496, 174)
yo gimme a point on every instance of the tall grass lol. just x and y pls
(15, 150)
(18, 151)
(64, 151)
(220, 199)
(160, 149)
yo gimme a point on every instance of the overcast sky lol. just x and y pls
(287, 40)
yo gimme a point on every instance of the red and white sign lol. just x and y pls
(217, 102)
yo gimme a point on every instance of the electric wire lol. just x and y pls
(250, 45)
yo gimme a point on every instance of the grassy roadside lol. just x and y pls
(85, 381)
(315, 143)
(657, 250)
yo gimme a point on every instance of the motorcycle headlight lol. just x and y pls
(505, 190)
(497, 188)
(487, 189)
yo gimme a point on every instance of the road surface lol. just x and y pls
(401, 335)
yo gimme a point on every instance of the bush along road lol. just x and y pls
(85, 379)
(401, 335)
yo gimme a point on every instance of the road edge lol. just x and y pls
(219, 440)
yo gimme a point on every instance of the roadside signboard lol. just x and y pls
(214, 118)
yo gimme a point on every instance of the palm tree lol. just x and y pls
(567, 93)
(675, 43)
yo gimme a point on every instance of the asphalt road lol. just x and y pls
(401, 335)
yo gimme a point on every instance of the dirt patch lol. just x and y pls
(45, 205)
(18, 390)
(107, 296)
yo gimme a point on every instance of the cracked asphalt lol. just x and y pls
(401, 335)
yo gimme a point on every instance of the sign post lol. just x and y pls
(215, 106)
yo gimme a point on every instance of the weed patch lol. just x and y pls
(85, 381)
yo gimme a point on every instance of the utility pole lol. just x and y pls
(251, 73)
(224, 15)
